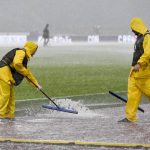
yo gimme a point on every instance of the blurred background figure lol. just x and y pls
(46, 35)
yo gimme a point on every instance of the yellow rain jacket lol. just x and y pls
(144, 71)
(5, 72)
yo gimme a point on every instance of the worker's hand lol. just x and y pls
(136, 67)
(39, 87)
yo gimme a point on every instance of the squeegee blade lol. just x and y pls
(59, 109)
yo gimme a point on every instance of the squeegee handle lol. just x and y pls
(49, 98)
(121, 98)
(43, 93)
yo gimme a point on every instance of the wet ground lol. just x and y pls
(98, 125)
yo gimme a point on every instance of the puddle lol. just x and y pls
(99, 125)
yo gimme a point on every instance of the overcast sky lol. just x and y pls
(71, 16)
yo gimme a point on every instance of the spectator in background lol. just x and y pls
(46, 35)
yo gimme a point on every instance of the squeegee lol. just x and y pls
(55, 106)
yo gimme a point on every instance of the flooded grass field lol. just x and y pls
(81, 74)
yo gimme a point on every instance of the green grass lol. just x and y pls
(64, 81)
(65, 71)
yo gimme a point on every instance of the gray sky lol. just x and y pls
(71, 16)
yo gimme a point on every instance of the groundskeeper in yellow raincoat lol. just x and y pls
(139, 77)
(13, 68)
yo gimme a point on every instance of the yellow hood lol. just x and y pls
(138, 25)
(30, 48)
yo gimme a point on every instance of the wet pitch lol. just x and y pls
(98, 125)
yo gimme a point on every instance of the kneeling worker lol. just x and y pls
(13, 68)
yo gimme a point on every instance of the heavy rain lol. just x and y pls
(85, 50)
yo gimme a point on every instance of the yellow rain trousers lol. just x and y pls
(136, 87)
(139, 82)
(7, 100)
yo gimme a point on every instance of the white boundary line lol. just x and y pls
(69, 96)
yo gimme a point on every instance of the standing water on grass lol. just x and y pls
(79, 64)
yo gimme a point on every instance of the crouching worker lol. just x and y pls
(139, 77)
(13, 68)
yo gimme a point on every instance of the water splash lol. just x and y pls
(83, 111)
